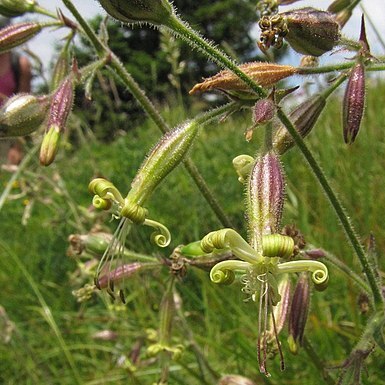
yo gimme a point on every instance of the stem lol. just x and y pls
(185, 32)
(151, 111)
(99, 47)
(339, 210)
(317, 361)
(16, 174)
(45, 12)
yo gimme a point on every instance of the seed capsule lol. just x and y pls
(139, 11)
(304, 118)
(311, 32)
(22, 114)
(354, 103)
(17, 34)
(299, 311)
(162, 159)
(264, 74)
(13, 8)
(307, 30)
(265, 198)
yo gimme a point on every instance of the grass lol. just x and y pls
(52, 341)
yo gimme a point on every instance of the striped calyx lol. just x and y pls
(265, 198)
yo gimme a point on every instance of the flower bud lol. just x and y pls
(354, 103)
(265, 197)
(311, 32)
(13, 8)
(105, 335)
(299, 311)
(49, 147)
(95, 243)
(162, 159)
(232, 379)
(113, 277)
(304, 118)
(263, 111)
(139, 11)
(22, 114)
(61, 105)
(264, 74)
(17, 34)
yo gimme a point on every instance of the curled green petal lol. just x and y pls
(161, 236)
(105, 189)
(243, 165)
(230, 239)
(320, 274)
(223, 272)
(134, 212)
(277, 245)
(100, 203)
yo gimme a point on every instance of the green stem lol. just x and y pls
(45, 12)
(338, 208)
(311, 352)
(150, 109)
(185, 32)
(336, 67)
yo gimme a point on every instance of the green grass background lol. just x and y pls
(52, 341)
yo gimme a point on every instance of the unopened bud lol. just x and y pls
(311, 31)
(61, 105)
(22, 114)
(264, 74)
(232, 379)
(354, 103)
(315, 254)
(299, 311)
(49, 146)
(263, 111)
(95, 243)
(139, 11)
(13, 8)
(265, 197)
(303, 118)
(17, 34)
(113, 277)
(163, 158)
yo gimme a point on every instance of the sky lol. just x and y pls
(43, 44)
